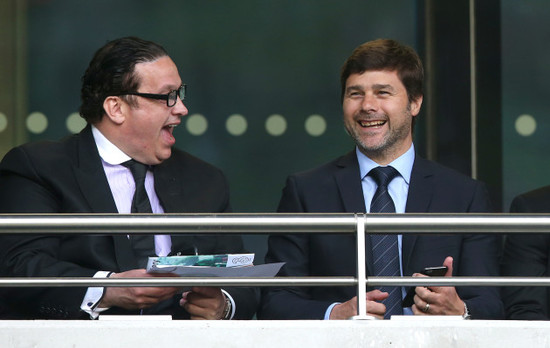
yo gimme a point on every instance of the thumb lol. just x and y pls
(449, 263)
(376, 295)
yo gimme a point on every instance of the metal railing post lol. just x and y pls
(361, 269)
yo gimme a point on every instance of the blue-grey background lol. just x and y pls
(257, 58)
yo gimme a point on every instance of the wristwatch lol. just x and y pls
(466, 314)
(227, 310)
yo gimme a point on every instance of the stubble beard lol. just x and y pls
(387, 146)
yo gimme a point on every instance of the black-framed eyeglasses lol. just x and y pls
(171, 97)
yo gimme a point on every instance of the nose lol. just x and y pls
(180, 109)
(370, 103)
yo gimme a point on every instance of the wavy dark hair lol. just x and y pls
(389, 55)
(111, 73)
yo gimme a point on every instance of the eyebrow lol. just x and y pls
(169, 87)
(383, 86)
(354, 88)
(377, 87)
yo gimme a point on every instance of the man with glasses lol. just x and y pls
(122, 162)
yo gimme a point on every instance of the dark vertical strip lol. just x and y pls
(451, 99)
(489, 97)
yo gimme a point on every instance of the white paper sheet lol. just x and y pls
(266, 270)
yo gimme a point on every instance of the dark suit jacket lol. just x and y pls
(528, 255)
(68, 177)
(336, 187)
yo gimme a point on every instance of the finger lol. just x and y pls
(449, 263)
(421, 307)
(417, 311)
(419, 275)
(199, 312)
(376, 308)
(428, 295)
(376, 295)
(422, 292)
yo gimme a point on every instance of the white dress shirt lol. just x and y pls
(122, 185)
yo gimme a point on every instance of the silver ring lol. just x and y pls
(426, 308)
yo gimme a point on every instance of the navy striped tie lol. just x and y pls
(384, 247)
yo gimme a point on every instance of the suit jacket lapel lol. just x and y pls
(95, 188)
(418, 200)
(169, 189)
(349, 183)
(348, 179)
(91, 176)
(170, 180)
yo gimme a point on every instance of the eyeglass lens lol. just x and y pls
(173, 96)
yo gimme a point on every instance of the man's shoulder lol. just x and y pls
(536, 194)
(43, 151)
(325, 170)
(442, 172)
(534, 201)
(183, 160)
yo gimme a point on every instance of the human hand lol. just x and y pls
(205, 303)
(136, 297)
(349, 308)
(442, 300)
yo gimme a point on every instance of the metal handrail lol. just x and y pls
(281, 281)
(360, 224)
(272, 223)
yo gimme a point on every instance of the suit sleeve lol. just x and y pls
(525, 255)
(245, 298)
(480, 256)
(22, 190)
(290, 302)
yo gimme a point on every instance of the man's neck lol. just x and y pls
(385, 157)
(108, 151)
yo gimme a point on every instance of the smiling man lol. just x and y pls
(122, 162)
(381, 97)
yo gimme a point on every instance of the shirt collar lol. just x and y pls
(403, 164)
(107, 150)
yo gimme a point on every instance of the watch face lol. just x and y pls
(227, 309)
(466, 314)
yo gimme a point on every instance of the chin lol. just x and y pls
(164, 155)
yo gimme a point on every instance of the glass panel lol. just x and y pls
(525, 95)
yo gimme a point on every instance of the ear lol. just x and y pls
(415, 106)
(114, 109)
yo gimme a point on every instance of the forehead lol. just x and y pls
(372, 78)
(159, 74)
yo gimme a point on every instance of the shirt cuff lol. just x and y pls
(93, 296)
(329, 310)
(233, 307)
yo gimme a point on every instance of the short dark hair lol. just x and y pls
(111, 73)
(389, 55)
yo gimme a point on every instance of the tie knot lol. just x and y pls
(138, 169)
(383, 175)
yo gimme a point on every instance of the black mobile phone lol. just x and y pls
(437, 271)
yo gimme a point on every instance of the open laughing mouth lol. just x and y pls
(169, 129)
(367, 124)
